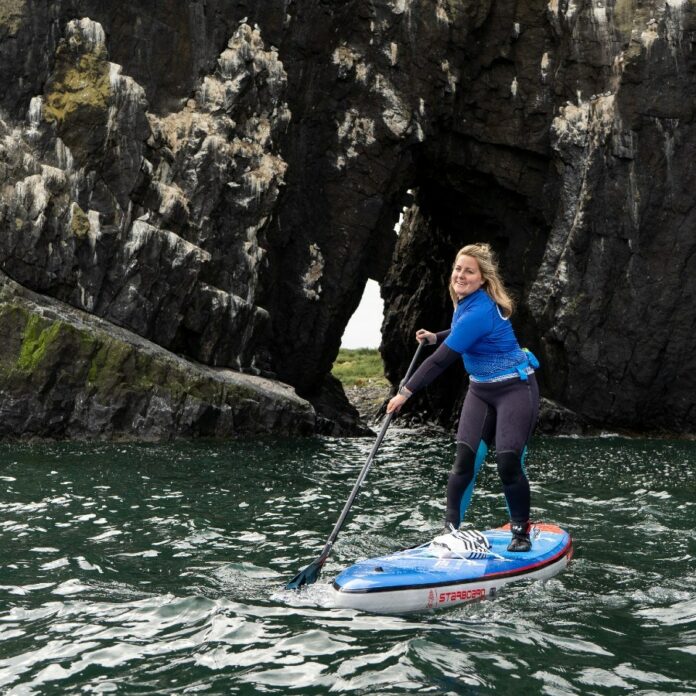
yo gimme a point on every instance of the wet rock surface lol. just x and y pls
(221, 178)
(65, 374)
(369, 400)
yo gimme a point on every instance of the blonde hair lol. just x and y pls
(492, 282)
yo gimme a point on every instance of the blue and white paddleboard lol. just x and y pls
(440, 574)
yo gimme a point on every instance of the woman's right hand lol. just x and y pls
(428, 336)
(395, 403)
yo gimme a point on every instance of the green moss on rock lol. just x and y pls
(108, 365)
(69, 378)
(38, 338)
(79, 222)
(79, 82)
(13, 320)
(77, 98)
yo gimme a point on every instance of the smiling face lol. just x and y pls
(466, 276)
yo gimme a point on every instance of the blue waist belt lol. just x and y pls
(523, 369)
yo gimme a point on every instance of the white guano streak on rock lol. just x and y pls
(64, 156)
(441, 13)
(170, 196)
(545, 63)
(401, 6)
(127, 96)
(32, 195)
(396, 115)
(354, 131)
(633, 194)
(245, 56)
(667, 129)
(649, 35)
(393, 53)
(599, 12)
(270, 170)
(34, 114)
(142, 232)
(347, 59)
(577, 133)
(603, 118)
(451, 77)
(90, 31)
(94, 225)
(178, 127)
(315, 271)
(570, 10)
(53, 176)
(589, 123)
(571, 124)
(36, 190)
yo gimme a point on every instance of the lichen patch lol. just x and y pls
(12, 14)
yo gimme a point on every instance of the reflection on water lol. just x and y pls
(161, 569)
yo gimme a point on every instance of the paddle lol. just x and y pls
(311, 572)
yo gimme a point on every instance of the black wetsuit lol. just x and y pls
(501, 405)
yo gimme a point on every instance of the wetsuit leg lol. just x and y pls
(515, 485)
(469, 490)
(517, 410)
(474, 434)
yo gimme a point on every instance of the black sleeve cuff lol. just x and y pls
(431, 368)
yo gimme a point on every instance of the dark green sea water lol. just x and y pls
(143, 569)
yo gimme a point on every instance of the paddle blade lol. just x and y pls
(307, 576)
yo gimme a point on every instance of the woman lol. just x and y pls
(502, 401)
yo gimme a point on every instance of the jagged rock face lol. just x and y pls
(222, 178)
(615, 289)
(150, 221)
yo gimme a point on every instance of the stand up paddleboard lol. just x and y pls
(448, 571)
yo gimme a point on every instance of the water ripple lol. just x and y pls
(161, 570)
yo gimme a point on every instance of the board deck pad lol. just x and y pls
(423, 578)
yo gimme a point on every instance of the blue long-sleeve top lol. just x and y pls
(483, 338)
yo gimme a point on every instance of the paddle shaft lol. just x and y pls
(366, 466)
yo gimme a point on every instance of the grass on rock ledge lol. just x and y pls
(360, 367)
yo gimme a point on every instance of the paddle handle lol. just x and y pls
(368, 461)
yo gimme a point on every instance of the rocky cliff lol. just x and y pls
(219, 178)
